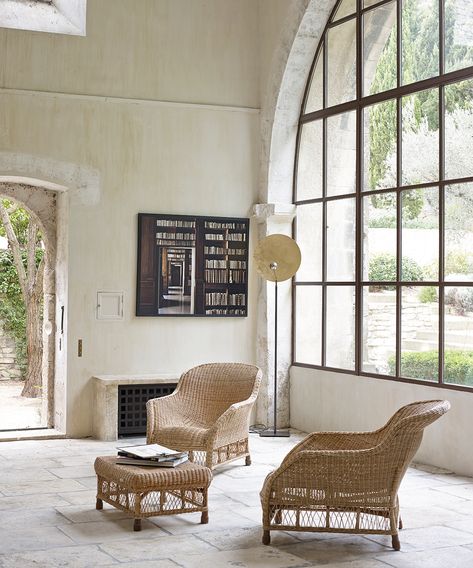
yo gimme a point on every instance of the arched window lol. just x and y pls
(384, 194)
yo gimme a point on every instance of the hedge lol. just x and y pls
(424, 365)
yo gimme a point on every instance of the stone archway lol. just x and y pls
(41, 205)
(305, 23)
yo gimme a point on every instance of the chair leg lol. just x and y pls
(266, 537)
(278, 517)
(248, 460)
(395, 542)
(204, 518)
(400, 523)
(137, 525)
(99, 504)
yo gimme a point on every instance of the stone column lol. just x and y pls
(274, 218)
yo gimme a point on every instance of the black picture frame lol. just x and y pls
(191, 265)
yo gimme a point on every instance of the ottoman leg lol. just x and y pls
(137, 525)
(99, 504)
(204, 519)
(248, 460)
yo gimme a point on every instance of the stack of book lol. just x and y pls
(150, 455)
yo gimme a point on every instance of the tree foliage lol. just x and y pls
(420, 56)
(12, 302)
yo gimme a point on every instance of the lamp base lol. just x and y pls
(272, 433)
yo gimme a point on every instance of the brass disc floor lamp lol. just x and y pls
(277, 258)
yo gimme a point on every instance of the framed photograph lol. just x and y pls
(192, 266)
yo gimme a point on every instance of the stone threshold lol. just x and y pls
(33, 434)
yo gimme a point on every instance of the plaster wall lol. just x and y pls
(323, 400)
(188, 144)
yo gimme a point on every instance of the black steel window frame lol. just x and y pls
(359, 104)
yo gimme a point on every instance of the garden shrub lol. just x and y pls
(383, 268)
(461, 299)
(428, 294)
(424, 365)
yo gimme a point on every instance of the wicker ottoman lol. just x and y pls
(153, 491)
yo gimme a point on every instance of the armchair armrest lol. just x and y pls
(161, 412)
(232, 425)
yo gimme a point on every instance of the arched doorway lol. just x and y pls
(40, 203)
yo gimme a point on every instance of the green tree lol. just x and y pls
(21, 275)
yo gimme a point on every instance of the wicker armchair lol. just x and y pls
(208, 413)
(347, 481)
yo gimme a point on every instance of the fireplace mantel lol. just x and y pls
(105, 416)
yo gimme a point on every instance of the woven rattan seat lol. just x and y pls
(347, 481)
(152, 491)
(208, 413)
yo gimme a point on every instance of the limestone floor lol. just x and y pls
(48, 518)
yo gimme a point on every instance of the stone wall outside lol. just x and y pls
(9, 368)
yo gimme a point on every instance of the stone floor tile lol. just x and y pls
(243, 538)
(434, 537)
(253, 513)
(156, 548)
(35, 538)
(339, 548)
(361, 563)
(39, 487)
(68, 556)
(452, 556)
(87, 513)
(190, 523)
(427, 498)
(19, 518)
(464, 491)
(227, 483)
(260, 557)
(416, 517)
(165, 563)
(88, 482)
(97, 532)
(85, 497)
(74, 472)
(462, 525)
(249, 498)
(25, 501)
(17, 476)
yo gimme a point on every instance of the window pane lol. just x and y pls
(380, 49)
(420, 234)
(458, 358)
(346, 8)
(380, 153)
(420, 40)
(341, 74)
(459, 130)
(419, 333)
(341, 240)
(420, 137)
(309, 238)
(458, 38)
(379, 330)
(367, 3)
(379, 237)
(340, 334)
(309, 162)
(315, 95)
(459, 232)
(341, 154)
(308, 343)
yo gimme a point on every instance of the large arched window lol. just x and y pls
(384, 194)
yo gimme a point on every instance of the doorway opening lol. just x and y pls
(27, 306)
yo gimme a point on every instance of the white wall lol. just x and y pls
(147, 156)
(323, 400)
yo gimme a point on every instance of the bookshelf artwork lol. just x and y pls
(192, 266)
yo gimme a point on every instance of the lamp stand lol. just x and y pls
(274, 432)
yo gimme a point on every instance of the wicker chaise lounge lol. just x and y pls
(208, 413)
(347, 481)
